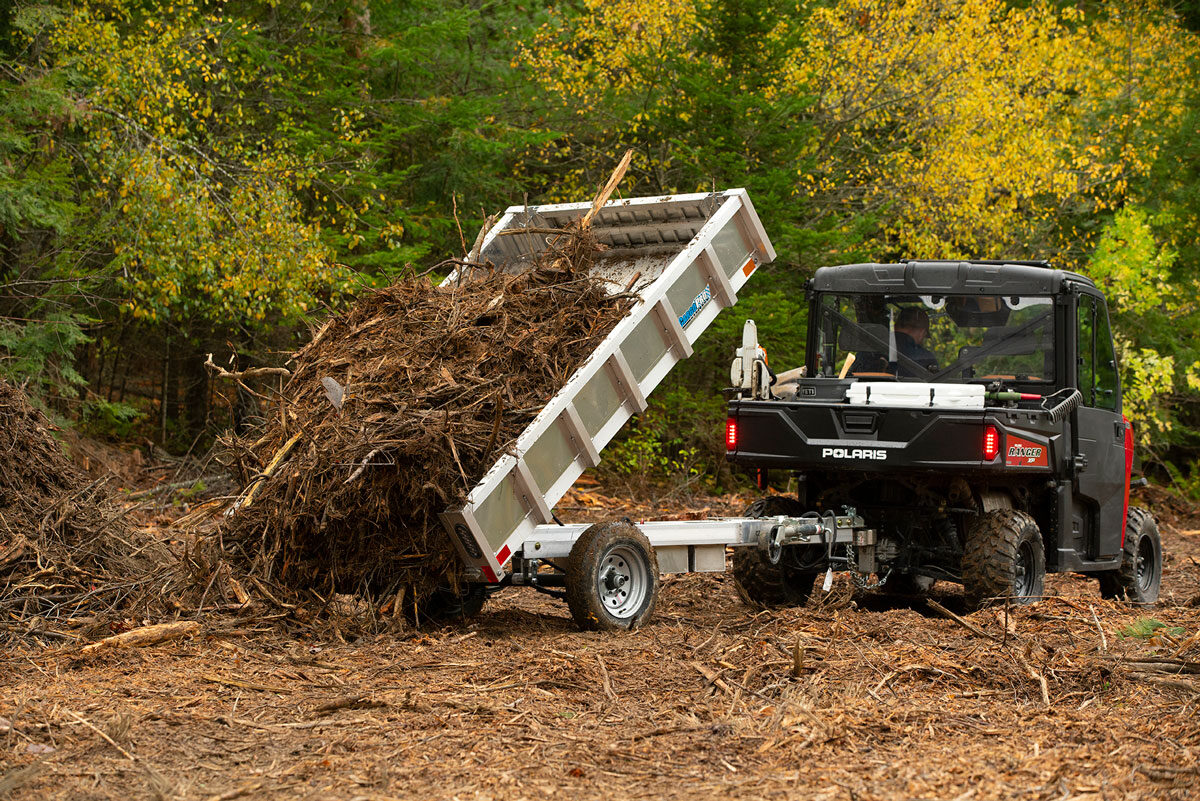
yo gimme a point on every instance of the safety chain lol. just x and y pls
(861, 581)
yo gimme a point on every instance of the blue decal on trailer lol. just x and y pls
(699, 303)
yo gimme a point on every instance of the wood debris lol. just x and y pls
(433, 384)
(66, 552)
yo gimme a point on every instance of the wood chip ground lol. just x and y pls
(891, 700)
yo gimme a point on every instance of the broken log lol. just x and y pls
(144, 636)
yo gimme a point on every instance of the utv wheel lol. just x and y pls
(1140, 575)
(1003, 557)
(612, 578)
(760, 584)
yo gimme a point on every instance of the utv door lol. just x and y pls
(1101, 429)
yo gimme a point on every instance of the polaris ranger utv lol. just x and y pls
(962, 420)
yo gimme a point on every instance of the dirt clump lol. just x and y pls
(394, 410)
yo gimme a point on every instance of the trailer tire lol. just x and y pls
(612, 577)
(1139, 577)
(760, 584)
(1003, 557)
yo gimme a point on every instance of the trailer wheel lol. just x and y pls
(1004, 558)
(612, 577)
(760, 584)
(1140, 575)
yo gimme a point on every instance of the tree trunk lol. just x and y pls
(163, 405)
(196, 393)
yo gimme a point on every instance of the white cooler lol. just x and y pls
(915, 395)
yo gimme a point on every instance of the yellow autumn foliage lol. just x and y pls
(206, 224)
(972, 128)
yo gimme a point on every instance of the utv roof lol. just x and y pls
(952, 277)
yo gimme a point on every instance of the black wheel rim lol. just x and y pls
(1024, 571)
(1147, 565)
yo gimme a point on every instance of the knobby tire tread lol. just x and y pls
(989, 554)
(1121, 584)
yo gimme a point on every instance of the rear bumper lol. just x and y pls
(809, 437)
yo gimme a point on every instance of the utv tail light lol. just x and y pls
(991, 443)
(731, 434)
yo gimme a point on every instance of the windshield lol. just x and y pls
(944, 338)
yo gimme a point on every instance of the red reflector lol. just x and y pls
(731, 434)
(991, 443)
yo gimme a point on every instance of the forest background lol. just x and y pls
(194, 177)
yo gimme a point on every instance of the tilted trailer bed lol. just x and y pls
(686, 257)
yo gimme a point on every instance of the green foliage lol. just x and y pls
(643, 455)
(201, 204)
(1187, 484)
(189, 494)
(108, 420)
(218, 172)
(1131, 266)
(1147, 627)
(699, 90)
(1148, 301)
(39, 355)
(678, 442)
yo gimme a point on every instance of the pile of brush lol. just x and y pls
(395, 409)
(67, 556)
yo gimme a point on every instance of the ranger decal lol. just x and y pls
(1023, 453)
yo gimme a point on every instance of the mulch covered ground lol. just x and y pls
(888, 699)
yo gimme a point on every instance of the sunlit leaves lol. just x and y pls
(243, 254)
(207, 223)
(1150, 306)
(976, 128)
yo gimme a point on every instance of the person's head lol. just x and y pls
(914, 322)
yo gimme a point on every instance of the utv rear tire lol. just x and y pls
(1003, 557)
(1139, 577)
(612, 577)
(760, 584)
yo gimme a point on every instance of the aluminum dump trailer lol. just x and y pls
(686, 257)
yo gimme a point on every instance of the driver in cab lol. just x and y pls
(912, 329)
